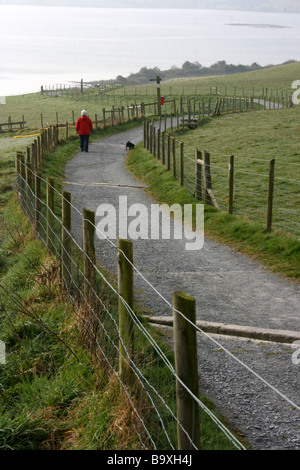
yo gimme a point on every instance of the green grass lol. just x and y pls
(278, 78)
(52, 394)
(254, 139)
(32, 105)
(277, 251)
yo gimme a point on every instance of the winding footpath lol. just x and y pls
(254, 383)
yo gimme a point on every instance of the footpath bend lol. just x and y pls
(259, 389)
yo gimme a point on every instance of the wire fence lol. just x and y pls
(144, 366)
(225, 182)
(117, 109)
(151, 382)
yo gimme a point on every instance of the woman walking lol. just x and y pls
(83, 129)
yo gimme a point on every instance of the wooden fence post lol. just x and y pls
(50, 211)
(126, 324)
(65, 236)
(28, 177)
(46, 135)
(198, 179)
(39, 151)
(112, 116)
(174, 157)
(145, 134)
(51, 135)
(148, 135)
(169, 152)
(181, 164)
(33, 156)
(207, 178)
(89, 255)
(270, 194)
(37, 203)
(186, 365)
(230, 184)
(49, 138)
(44, 144)
(23, 178)
(56, 135)
(151, 139)
(28, 154)
(41, 147)
(158, 143)
(154, 141)
(19, 156)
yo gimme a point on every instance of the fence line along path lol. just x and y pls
(225, 285)
(110, 328)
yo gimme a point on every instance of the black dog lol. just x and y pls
(129, 145)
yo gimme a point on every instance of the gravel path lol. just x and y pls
(228, 288)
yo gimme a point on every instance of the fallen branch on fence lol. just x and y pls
(213, 198)
(217, 110)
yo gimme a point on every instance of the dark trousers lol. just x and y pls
(84, 142)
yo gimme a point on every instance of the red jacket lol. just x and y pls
(84, 125)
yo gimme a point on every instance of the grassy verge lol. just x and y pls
(278, 252)
(51, 394)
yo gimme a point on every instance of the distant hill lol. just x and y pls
(192, 70)
(250, 5)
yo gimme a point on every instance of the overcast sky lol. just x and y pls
(271, 5)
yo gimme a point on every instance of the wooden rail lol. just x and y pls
(10, 124)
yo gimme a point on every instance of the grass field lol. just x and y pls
(254, 139)
(276, 80)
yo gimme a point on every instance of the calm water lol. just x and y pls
(49, 45)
